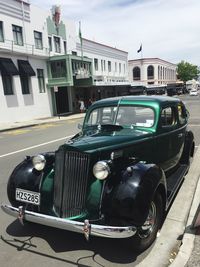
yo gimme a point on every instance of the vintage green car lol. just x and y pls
(116, 178)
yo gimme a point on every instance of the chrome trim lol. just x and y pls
(74, 226)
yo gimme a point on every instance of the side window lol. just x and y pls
(168, 117)
(182, 114)
(103, 115)
(108, 115)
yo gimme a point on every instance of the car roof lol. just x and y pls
(140, 98)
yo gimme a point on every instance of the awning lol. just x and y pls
(25, 68)
(8, 67)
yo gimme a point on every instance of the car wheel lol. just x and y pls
(147, 233)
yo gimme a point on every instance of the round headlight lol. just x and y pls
(101, 170)
(39, 162)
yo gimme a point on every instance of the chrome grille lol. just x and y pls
(71, 176)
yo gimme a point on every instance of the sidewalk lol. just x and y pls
(17, 125)
(189, 252)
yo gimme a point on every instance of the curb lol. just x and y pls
(43, 121)
(20, 127)
(167, 249)
(189, 234)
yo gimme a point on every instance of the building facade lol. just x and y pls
(23, 75)
(44, 69)
(110, 68)
(151, 71)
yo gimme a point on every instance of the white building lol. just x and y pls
(26, 43)
(43, 71)
(110, 65)
(110, 68)
(151, 71)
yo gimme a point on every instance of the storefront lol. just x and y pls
(69, 79)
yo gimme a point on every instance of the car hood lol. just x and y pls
(105, 140)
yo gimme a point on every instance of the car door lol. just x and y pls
(167, 141)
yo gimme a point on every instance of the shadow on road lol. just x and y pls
(112, 250)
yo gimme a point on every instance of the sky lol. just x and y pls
(167, 29)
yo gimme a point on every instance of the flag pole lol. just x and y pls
(80, 36)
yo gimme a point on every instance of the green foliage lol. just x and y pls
(187, 71)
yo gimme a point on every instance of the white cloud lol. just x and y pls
(167, 29)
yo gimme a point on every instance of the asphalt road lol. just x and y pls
(35, 245)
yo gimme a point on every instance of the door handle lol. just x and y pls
(180, 135)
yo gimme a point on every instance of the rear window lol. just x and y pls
(168, 117)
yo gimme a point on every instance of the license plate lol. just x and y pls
(27, 196)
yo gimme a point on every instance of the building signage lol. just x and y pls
(82, 74)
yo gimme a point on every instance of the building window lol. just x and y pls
(1, 32)
(136, 74)
(104, 65)
(41, 83)
(58, 69)
(95, 63)
(158, 72)
(101, 64)
(150, 72)
(74, 53)
(109, 66)
(17, 35)
(57, 44)
(115, 66)
(7, 84)
(25, 85)
(65, 46)
(38, 40)
(120, 67)
(50, 43)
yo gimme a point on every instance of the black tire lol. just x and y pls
(146, 235)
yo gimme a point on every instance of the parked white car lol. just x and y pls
(193, 92)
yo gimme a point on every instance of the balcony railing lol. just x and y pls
(10, 46)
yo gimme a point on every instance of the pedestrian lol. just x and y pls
(81, 106)
(89, 103)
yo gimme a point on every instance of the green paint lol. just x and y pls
(53, 30)
(68, 79)
(47, 193)
(94, 195)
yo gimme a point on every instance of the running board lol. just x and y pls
(174, 181)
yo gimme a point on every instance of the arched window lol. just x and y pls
(150, 72)
(136, 73)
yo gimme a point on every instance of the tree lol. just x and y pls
(187, 71)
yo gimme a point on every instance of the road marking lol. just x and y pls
(43, 126)
(31, 147)
(16, 132)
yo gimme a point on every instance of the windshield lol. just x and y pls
(125, 116)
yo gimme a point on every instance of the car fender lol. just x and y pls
(130, 198)
(26, 177)
(188, 150)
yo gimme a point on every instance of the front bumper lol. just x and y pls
(74, 226)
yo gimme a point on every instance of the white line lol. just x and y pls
(31, 147)
(43, 144)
